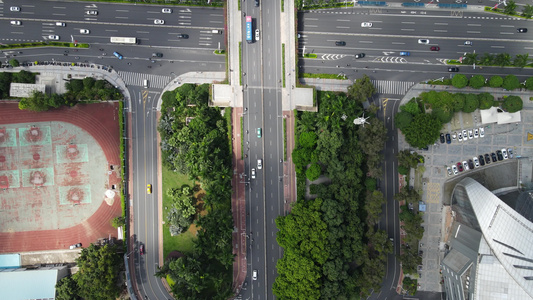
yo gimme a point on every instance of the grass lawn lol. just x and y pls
(184, 241)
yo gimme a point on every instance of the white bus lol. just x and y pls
(123, 40)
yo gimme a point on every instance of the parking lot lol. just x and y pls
(437, 185)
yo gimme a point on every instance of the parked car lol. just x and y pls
(465, 165)
(449, 171)
(476, 162)
(510, 151)
(460, 136)
(465, 135)
(499, 154)
(504, 153)
(476, 133)
(481, 131)
(470, 164)
(454, 136)
(78, 245)
(460, 167)
(141, 249)
(470, 134)
(494, 157)
(448, 139)
(481, 160)
(442, 139)
(487, 158)
(434, 48)
(454, 169)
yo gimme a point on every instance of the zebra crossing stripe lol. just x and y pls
(390, 87)
(136, 79)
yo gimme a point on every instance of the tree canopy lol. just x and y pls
(424, 130)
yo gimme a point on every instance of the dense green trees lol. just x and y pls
(512, 104)
(424, 130)
(459, 81)
(495, 81)
(510, 82)
(194, 141)
(362, 89)
(98, 275)
(477, 81)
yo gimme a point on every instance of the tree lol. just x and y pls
(403, 170)
(459, 81)
(308, 139)
(510, 8)
(24, 77)
(67, 289)
(98, 275)
(118, 222)
(510, 82)
(458, 102)
(313, 172)
(14, 63)
(361, 89)
(373, 206)
(527, 11)
(408, 159)
(423, 130)
(372, 137)
(496, 81)
(512, 104)
(402, 119)
(301, 156)
(521, 60)
(471, 103)
(74, 85)
(529, 83)
(487, 59)
(38, 101)
(443, 113)
(502, 59)
(412, 107)
(477, 81)
(486, 100)
(470, 59)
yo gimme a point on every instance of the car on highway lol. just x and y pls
(360, 55)
(453, 69)
(61, 24)
(14, 8)
(259, 133)
(504, 153)
(166, 10)
(487, 158)
(404, 53)
(84, 31)
(259, 164)
(494, 157)
(254, 275)
(118, 55)
(449, 171)
(468, 43)
(149, 188)
(481, 160)
(53, 37)
(16, 23)
(253, 173)
(183, 36)
(434, 48)
(460, 167)
(366, 24)
(159, 22)
(340, 43)
(476, 133)
(257, 34)
(510, 151)
(454, 169)
(75, 246)
(157, 54)
(465, 165)
(448, 138)
(92, 12)
(423, 41)
(521, 30)
(499, 155)
(141, 249)
(442, 139)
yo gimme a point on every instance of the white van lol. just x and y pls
(61, 24)
(216, 31)
(145, 83)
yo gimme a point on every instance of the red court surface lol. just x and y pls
(55, 170)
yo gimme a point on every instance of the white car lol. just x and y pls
(14, 8)
(166, 10)
(84, 31)
(504, 153)
(254, 275)
(465, 135)
(454, 169)
(449, 171)
(366, 24)
(16, 23)
(465, 165)
(257, 34)
(253, 173)
(72, 247)
(476, 162)
(91, 12)
(476, 133)
(459, 136)
(470, 134)
(53, 37)
(468, 43)
(454, 136)
(259, 164)
(423, 41)
(481, 131)
(159, 22)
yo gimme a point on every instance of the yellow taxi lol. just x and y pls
(149, 189)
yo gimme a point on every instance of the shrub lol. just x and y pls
(313, 172)
(403, 170)
(14, 63)
(459, 81)
(512, 104)
(402, 120)
(529, 83)
(496, 81)
(371, 184)
(477, 81)
(510, 82)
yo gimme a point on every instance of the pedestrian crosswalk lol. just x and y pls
(390, 87)
(136, 79)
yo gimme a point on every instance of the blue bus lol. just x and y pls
(249, 37)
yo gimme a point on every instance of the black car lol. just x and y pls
(453, 69)
(442, 138)
(448, 138)
(481, 160)
(487, 158)
(499, 154)
(494, 158)
(522, 30)
(256, 3)
(470, 164)
(360, 55)
(157, 54)
(183, 36)
(340, 43)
